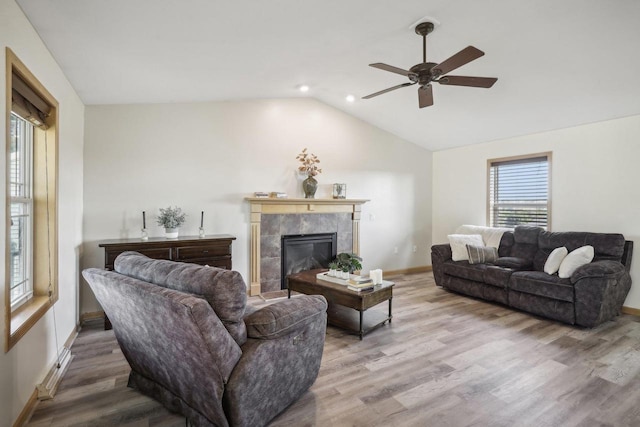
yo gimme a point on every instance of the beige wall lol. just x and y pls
(595, 178)
(28, 361)
(210, 156)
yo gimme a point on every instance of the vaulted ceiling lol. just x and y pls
(558, 63)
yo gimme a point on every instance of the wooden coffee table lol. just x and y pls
(344, 303)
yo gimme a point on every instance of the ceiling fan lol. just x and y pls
(426, 73)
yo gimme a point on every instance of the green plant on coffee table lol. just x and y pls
(333, 265)
(350, 262)
(171, 217)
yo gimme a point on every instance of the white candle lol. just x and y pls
(376, 276)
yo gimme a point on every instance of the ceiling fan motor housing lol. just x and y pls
(421, 73)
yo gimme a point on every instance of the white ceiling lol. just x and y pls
(559, 63)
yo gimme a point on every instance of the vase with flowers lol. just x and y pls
(309, 165)
(171, 219)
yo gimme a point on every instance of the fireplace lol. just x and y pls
(301, 252)
(272, 218)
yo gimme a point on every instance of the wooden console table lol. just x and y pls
(213, 250)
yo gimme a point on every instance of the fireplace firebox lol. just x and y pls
(301, 252)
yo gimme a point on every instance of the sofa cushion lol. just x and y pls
(481, 254)
(513, 262)
(607, 246)
(459, 244)
(552, 264)
(224, 290)
(497, 276)
(526, 242)
(506, 243)
(575, 259)
(542, 284)
(526, 234)
(464, 270)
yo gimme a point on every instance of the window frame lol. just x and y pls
(490, 162)
(44, 212)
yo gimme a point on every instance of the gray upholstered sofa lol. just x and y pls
(593, 294)
(193, 344)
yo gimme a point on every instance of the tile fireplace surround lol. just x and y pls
(272, 218)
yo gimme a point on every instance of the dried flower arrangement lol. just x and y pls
(309, 163)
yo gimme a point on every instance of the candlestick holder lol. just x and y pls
(201, 232)
(143, 234)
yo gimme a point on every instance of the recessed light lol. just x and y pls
(350, 98)
(304, 88)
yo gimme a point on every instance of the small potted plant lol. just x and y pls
(348, 263)
(171, 219)
(333, 269)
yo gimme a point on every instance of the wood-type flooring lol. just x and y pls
(446, 360)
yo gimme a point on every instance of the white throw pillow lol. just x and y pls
(575, 259)
(459, 244)
(555, 259)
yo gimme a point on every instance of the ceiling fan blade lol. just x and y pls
(485, 82)
(465, 56)
(391, 68)
(425, 96)
(388, 90)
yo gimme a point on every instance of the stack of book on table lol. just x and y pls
(360, 283)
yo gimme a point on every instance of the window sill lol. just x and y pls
(25, 317)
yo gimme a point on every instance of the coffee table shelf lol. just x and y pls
(350, 320)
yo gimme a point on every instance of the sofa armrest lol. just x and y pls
(598, 269)
(443, 252)
(284, 317)
(600, 289)
(280, 360)
(439, 255)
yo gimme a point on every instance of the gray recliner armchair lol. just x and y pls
(193, 344)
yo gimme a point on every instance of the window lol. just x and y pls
(519, 191)
(31, 264)
(21, 206)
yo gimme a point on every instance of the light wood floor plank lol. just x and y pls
(446, 360)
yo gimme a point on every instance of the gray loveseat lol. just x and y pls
(193, 344)
(593, 294)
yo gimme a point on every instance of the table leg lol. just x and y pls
(289, 293)
(361, 331)
(390, 316)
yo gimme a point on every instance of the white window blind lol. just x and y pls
(519, 192)
(20, 194)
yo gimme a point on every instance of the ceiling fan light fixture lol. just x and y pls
(350, 98)
(303, 88)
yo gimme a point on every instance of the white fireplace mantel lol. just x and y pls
(266, 206)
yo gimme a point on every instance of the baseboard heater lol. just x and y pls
(47, 389)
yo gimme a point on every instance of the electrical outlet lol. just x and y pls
(395, 250)
(372, 217)
(415, 249)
